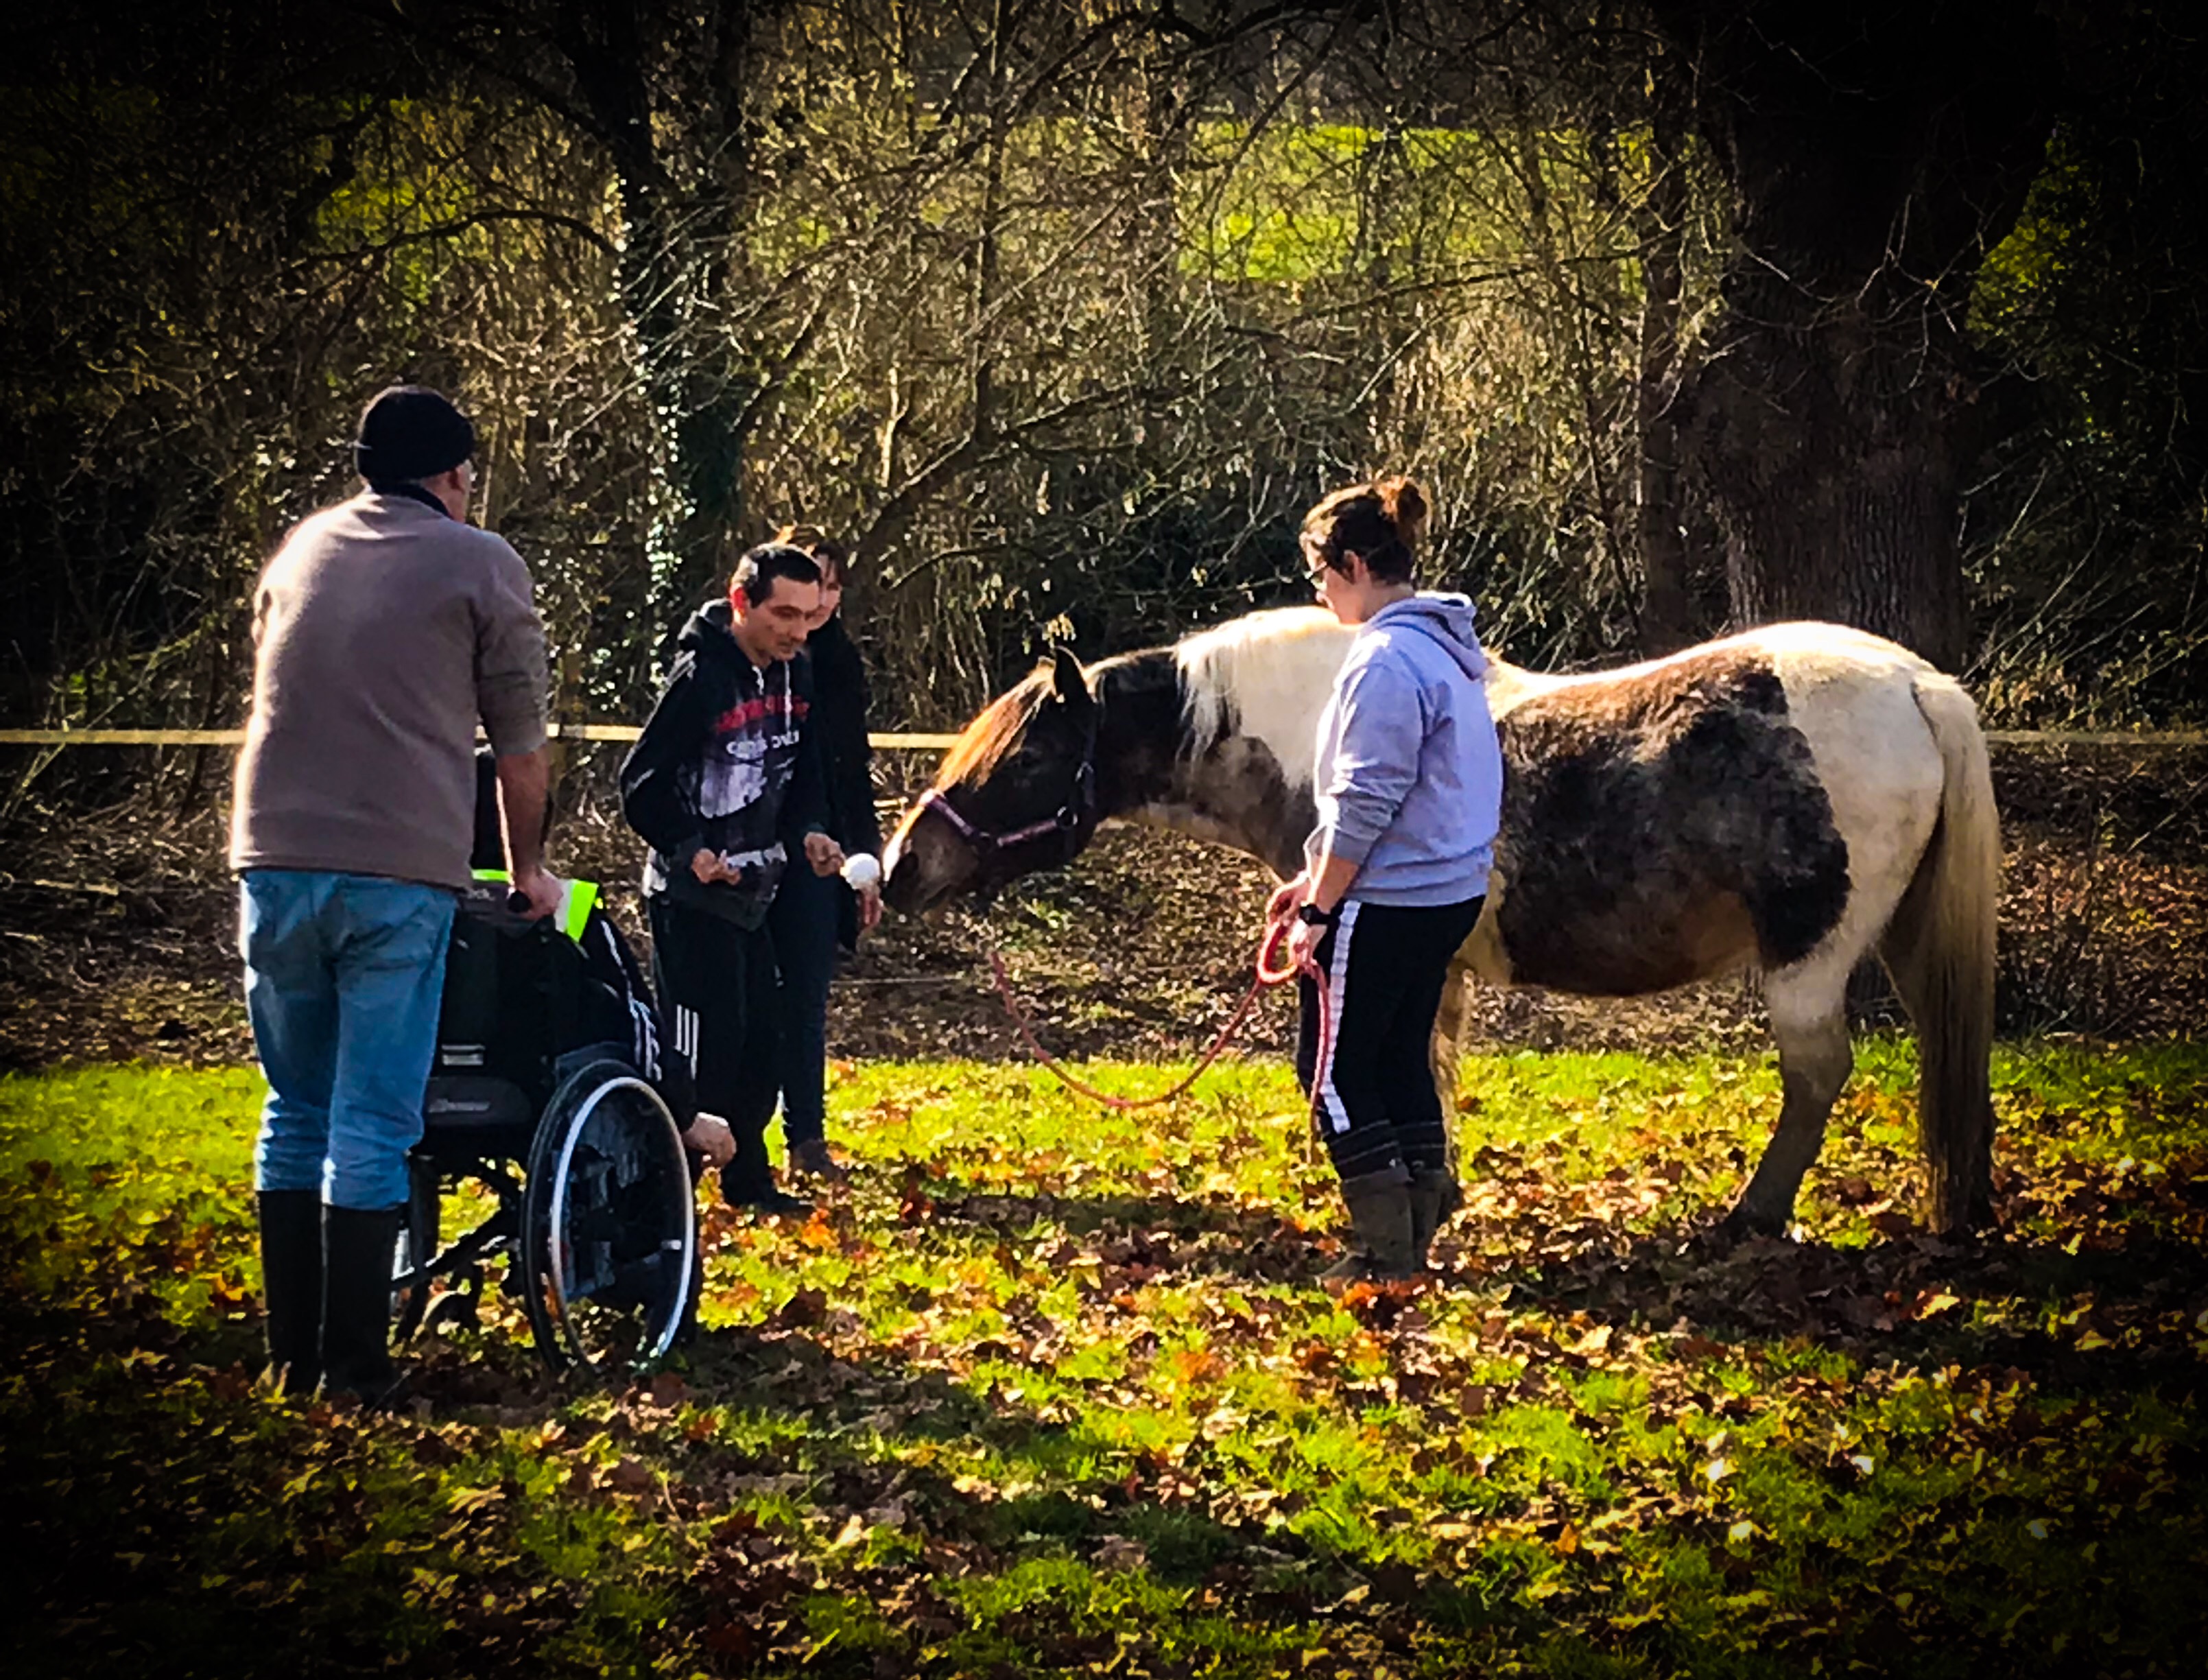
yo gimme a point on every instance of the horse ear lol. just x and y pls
(1067, 680)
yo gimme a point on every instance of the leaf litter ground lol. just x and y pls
(1048, 1391)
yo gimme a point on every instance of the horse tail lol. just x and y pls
(1940, 949)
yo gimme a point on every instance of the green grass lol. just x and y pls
(1050, 1392)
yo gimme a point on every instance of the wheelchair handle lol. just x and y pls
(516, 901)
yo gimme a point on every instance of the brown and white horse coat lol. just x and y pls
(1788, 801)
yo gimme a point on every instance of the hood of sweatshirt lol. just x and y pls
(1445, 619)
(709, 635)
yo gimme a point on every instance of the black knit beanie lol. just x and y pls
(410, 432)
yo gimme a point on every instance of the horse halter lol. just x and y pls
(1076, 811)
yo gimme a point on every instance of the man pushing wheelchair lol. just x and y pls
(384, 629)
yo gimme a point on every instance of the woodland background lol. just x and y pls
(1690, 314)
(1062, 312)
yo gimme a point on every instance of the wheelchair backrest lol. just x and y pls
(512, 992)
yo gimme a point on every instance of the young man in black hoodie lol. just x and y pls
(725, 785)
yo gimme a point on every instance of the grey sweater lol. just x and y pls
(1409, 772)
(384, 631)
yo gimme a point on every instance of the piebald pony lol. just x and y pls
(1788, 801)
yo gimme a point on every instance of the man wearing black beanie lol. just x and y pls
(411, 436)
(384, 629)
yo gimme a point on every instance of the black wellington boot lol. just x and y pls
(1380, 1216)
(357, 1244)
(1434, 1197)
(747, 1181)
(291, 1284)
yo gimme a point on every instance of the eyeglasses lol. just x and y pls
(1315, 570)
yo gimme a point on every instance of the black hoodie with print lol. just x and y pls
(726, 763)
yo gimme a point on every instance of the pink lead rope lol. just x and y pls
(1264, 978)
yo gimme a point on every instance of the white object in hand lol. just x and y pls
(862, 870)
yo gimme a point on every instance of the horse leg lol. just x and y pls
(1444, 1051)
(1809, 1019)
(1445, 1056)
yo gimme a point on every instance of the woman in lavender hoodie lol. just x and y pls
(1409, 787)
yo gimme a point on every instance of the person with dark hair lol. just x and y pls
(814, 915)
(385, 628)
(724, 785)
(1409, 781)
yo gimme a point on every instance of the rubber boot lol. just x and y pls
(747, 1181)
(1380, 1218)
(357, 1244)
(291, 1284)
(814, 1159)
(1434, 1197)
(759, 1194)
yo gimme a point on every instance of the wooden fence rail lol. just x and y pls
(892, 741)
(907, 742)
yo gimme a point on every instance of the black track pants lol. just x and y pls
(1382, 968)
(716, 984)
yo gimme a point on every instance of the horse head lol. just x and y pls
(1017, 794)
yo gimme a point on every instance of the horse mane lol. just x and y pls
(1266, 675)
(982, 747)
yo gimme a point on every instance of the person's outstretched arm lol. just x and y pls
(511, 691)
(805, 808)
(523, 780)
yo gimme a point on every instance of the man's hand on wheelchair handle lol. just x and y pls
(709, 1134)
(539, 890)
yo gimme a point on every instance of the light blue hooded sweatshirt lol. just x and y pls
(1410, 774)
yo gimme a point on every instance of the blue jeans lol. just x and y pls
(804, 923)
(343, 978)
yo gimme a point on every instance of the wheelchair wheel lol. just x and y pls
(416, 1249)
(609, 1231)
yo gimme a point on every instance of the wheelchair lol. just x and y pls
(535, 1097)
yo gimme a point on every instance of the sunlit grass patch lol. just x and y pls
(1049, 1390)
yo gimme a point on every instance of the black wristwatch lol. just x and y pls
(1312, 916)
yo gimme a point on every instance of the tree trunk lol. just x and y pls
(1873, 159)
(1668, 619)
(1831, 456)
(678, 217)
